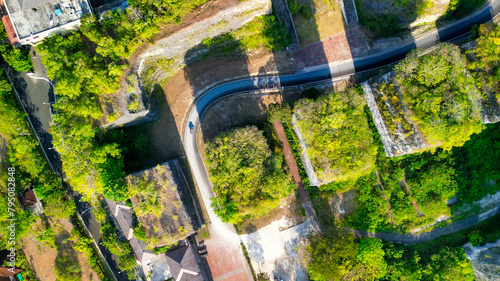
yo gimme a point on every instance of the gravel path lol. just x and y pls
(431, 235)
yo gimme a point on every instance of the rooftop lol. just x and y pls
(176, 216)
(34, 16)
(183, 265)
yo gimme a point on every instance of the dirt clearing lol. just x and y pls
(42, 257)
(206, 10)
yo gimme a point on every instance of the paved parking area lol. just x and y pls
(225, 258)
(339, 47)
(280, 253)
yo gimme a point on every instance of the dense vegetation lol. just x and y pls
(485, 66)
(248, 179)
(25, 155)
(413, 190)
(31, 170)
(337, 136)
(476, 164)
(343, 258)
(83, 78)
(339, 256)
(437, 90)
(88, 67)
(17, 58)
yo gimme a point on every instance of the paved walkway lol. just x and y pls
(339, 47)
(278, 253)
(225, 258)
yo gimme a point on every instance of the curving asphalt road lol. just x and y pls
(275, 82)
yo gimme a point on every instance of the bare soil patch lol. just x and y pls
(42, 261)
(290, 160)
(290, 213)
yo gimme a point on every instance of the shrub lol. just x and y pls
(337, 136)
(437, 90)
(67, 268)
(476, 238)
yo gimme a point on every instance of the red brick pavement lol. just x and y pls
(341, 46)
(225, 258)
(290, 160)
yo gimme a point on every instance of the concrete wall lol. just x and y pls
(63, 29)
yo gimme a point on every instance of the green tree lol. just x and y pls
(437, 90)
(336, 133)
(84, 245)
(67, 268)
(331, 256)
(476, 238)
(18, 58)
(248, 178)
(370, 258)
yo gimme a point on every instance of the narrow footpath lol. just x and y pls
(431, 235)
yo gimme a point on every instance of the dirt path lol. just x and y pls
(407, 190)
(431, 235)
(290, 160)
(381, 189)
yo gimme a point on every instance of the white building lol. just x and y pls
(29, 21)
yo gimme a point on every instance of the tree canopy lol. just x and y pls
(336, 133)
(248, 179)
(341, 257)
(438, 91)
(82, 79)
(18, 58)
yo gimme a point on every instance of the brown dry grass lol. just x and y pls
(325, 22)
(173, 222)
(42, 261)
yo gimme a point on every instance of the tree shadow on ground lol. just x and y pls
(67, 265)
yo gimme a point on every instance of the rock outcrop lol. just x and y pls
(485, 260)
(398, 134)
